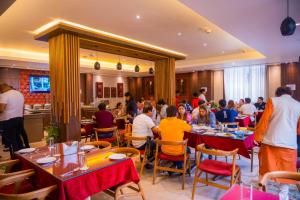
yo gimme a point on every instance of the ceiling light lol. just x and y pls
(97, 65)
(137, 68)
(151, 70)
(119, 66)
(138, 17)
(179, 33)
(298, 24)
(204, 44)
(223, 52)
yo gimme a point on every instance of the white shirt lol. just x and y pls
(141, 127)
(282, 128)
(248, 109)
(14, 101)
(202, 97)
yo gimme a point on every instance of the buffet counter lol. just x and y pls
(35, 123)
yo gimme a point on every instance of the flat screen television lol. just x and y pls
(39, 84)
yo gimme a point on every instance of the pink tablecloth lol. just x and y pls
(222, 143)
(235, 194)
(243, 122)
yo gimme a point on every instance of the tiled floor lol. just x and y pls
(169, 188)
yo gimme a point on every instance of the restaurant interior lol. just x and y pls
(150, 69)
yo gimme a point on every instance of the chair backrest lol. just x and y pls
(129, 139)
(103, 145)
(172, 143)
(133, 153)
(277, 174)
(201, 148)
(8, 165)
(105, 130)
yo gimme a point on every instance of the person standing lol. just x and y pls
(11, 111)
(277, 132)
(131, 107)
(202, 95)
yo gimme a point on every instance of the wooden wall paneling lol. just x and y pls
(183, 82)
(89, 88)
(206, 79)
(148, 87)
(290, 73)
(82, 88)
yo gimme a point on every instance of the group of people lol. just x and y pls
(276, 131)
(13, 133)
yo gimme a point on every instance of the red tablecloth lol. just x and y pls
(243, 122)
(235, 194)
(83, 185)
(222, 143)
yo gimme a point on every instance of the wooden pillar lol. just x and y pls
(164, 80)
(65, 84)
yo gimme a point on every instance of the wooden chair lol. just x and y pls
(103, 145)
(114, 138)
(143, 153)
(118, 192)
(17, 180)
(217, 168)
(185, 158)
(279, 174)
(7, 167)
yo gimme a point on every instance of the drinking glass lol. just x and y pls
(51, 141)
(82, 161)
(246, 193)
(56, 150)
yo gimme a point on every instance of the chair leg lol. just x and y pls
(252, 153)
(226, 158)
(183, 177)
(206, 178)
(154, 170)
(195, 184)
(142, 166)
(141, 191)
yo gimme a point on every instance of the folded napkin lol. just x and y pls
(69, 148)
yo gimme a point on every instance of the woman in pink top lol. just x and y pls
(182, 114)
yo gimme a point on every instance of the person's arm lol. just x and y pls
(264, 122)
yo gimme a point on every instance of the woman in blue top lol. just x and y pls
(205, 117)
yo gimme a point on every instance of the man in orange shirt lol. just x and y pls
(172, 129)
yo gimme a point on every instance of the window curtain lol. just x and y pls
(247, 81)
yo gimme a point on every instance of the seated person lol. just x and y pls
(248, 108)
(183, 114)
(172, 129)
(205, 117)
(187, 106)
(104, 119)
(163, 107)
(140, 106)
(195, 112)
(260, 104)
(231, 105)
(224, 114)
(143, 126)
(119, 110)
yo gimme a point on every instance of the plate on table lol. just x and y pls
(27, 150)
(117, 156)
(224, 134)
(87, 147)
(45, 160)
(248, 133)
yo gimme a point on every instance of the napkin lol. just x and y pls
(69, 148)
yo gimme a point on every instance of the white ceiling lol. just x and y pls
(241, 30)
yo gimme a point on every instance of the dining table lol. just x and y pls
(236, 192)
(73, 182)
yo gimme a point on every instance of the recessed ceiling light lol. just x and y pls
(204, 44)
(223, 52)
(138, 17)
(298, 24)
(179, 33)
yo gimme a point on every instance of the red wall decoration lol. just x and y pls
(113, 92)
(32, 98)
(120, 89)
(99, 89)
(106, 92)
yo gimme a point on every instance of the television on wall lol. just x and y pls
(39, 84)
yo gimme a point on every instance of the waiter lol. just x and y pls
(277, 132)
(11, 111)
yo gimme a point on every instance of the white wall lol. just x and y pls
(218, 85)
(273, 79)
(109, 81)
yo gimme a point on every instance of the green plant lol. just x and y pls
(214, 105)
(53, 132)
